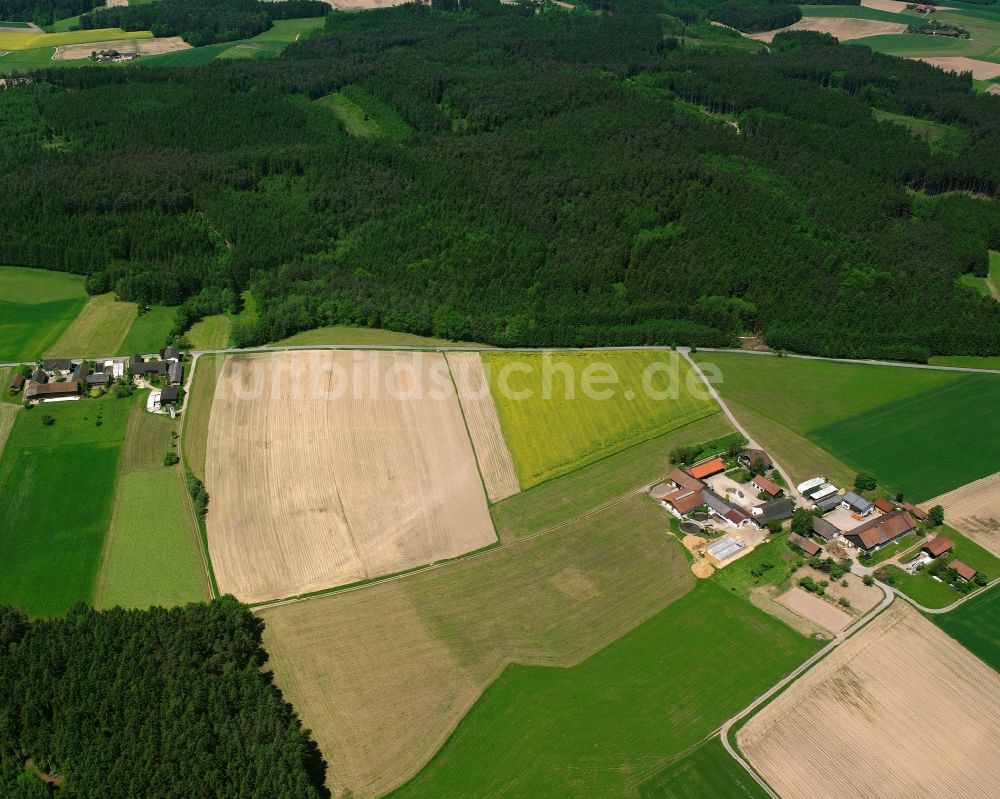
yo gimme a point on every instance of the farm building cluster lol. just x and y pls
(65, 379)
(743, 496)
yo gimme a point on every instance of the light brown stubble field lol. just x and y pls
(310, 490)
(900, 710)
(844, 28)
(383, 674)
(495, 463)
(974, 510)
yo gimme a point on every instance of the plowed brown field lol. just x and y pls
(326, 468)
(900, 710)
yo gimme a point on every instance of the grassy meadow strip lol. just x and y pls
(99, 329)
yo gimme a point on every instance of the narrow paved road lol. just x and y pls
(751, 442)
(889, 595)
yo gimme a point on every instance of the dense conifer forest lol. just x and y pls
(570, 179)
(158, 703)
(43, 12)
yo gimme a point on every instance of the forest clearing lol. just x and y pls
(312, 488)
(904, 704)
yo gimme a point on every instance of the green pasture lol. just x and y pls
(983, 44)
(926, 444)
(57, 488)
(624, 714)
(268, 44)
(738, 577)
(977, 284)
(210, 333)
(36, 306)
(920, 431)
(149, 331)
(976, 625)
(551, 424)
(861, 12)
(153, 558)
(967, 361)
(364, 115)
(572, 495)
(24, 25)
(708, 772)
(31, 41)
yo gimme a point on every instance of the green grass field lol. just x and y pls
(57, 486)
(967, 361)
(983, 44)
(976, 625)
(36, 306)
(738, 577)
(861, 12)
(364, 115)
(26, 60)
(98, 330)
(198, 411)
(933, 594)
(568, 497)
(152, 558)
(269, 44)
(709, 772)
(363, 336)
(622, 715)
(921, 431)
(927, 444)
(976, 284)
(210, 333)
(940, 137)
(149, 331)
(552, 427)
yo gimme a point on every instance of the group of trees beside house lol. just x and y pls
(563, 186)
(147, 703)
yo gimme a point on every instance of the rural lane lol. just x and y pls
(481, 348)
(792, 490)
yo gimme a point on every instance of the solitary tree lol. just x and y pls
(865, 482)
(936, 515)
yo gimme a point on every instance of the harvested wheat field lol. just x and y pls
(326, 468)
(363, 5)
(844, 28)
(911, 710)
(481, 418)
(974, 509)
(383, 674)
(158, 46)
(981, 70)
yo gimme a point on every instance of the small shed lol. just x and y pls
(168, 396)
(706, 469)
(857, 503)
(17, 383)
(39, 376)
(811, 548)
(824, 529)
(767, 486)
(965, 573)
(884, 506)
(175, 371)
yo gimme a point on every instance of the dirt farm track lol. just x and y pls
(900, 710)
(315, 483)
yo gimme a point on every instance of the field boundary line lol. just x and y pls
(468, 435)
(443, 564)
(207, 576)
(487, 348)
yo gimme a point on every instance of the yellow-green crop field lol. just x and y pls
(30, 41)
(554, 424)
